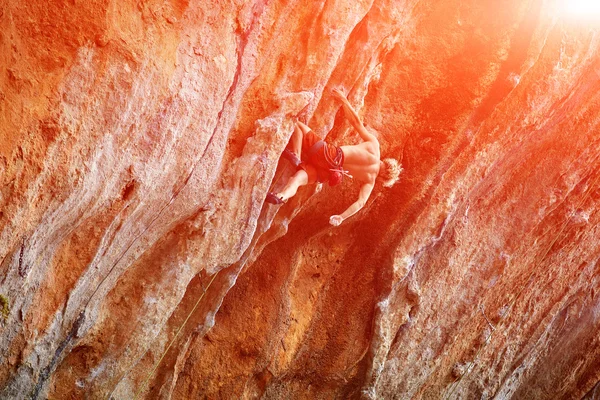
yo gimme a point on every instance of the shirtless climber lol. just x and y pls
(322, 162)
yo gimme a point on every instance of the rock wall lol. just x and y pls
(139, 139)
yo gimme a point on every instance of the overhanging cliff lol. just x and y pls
(138, 141)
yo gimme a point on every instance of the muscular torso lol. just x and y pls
(362, 161)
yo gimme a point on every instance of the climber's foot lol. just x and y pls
(273, 199)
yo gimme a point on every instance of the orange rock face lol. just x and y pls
(137, 257)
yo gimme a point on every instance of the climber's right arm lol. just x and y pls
(352, 116)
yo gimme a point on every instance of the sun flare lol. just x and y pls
(583, 9)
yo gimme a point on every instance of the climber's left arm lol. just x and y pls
(365, 193)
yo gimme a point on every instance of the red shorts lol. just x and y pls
(319, 157)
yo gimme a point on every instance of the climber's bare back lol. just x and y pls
(362, 161)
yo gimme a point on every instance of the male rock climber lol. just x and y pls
(322, 162)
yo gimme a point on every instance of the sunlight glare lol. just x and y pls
(581, 9)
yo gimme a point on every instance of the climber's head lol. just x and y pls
(389, 172)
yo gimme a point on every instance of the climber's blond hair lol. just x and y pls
(389, 174)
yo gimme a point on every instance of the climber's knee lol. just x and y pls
(305, 128)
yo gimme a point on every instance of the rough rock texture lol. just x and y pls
(138, 141)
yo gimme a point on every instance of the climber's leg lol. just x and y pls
(296, 141)
(302, 140)
(305, 128)
(300, 178)
(307, 174)
(294, 153)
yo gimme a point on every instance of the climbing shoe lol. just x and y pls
(272, 199)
